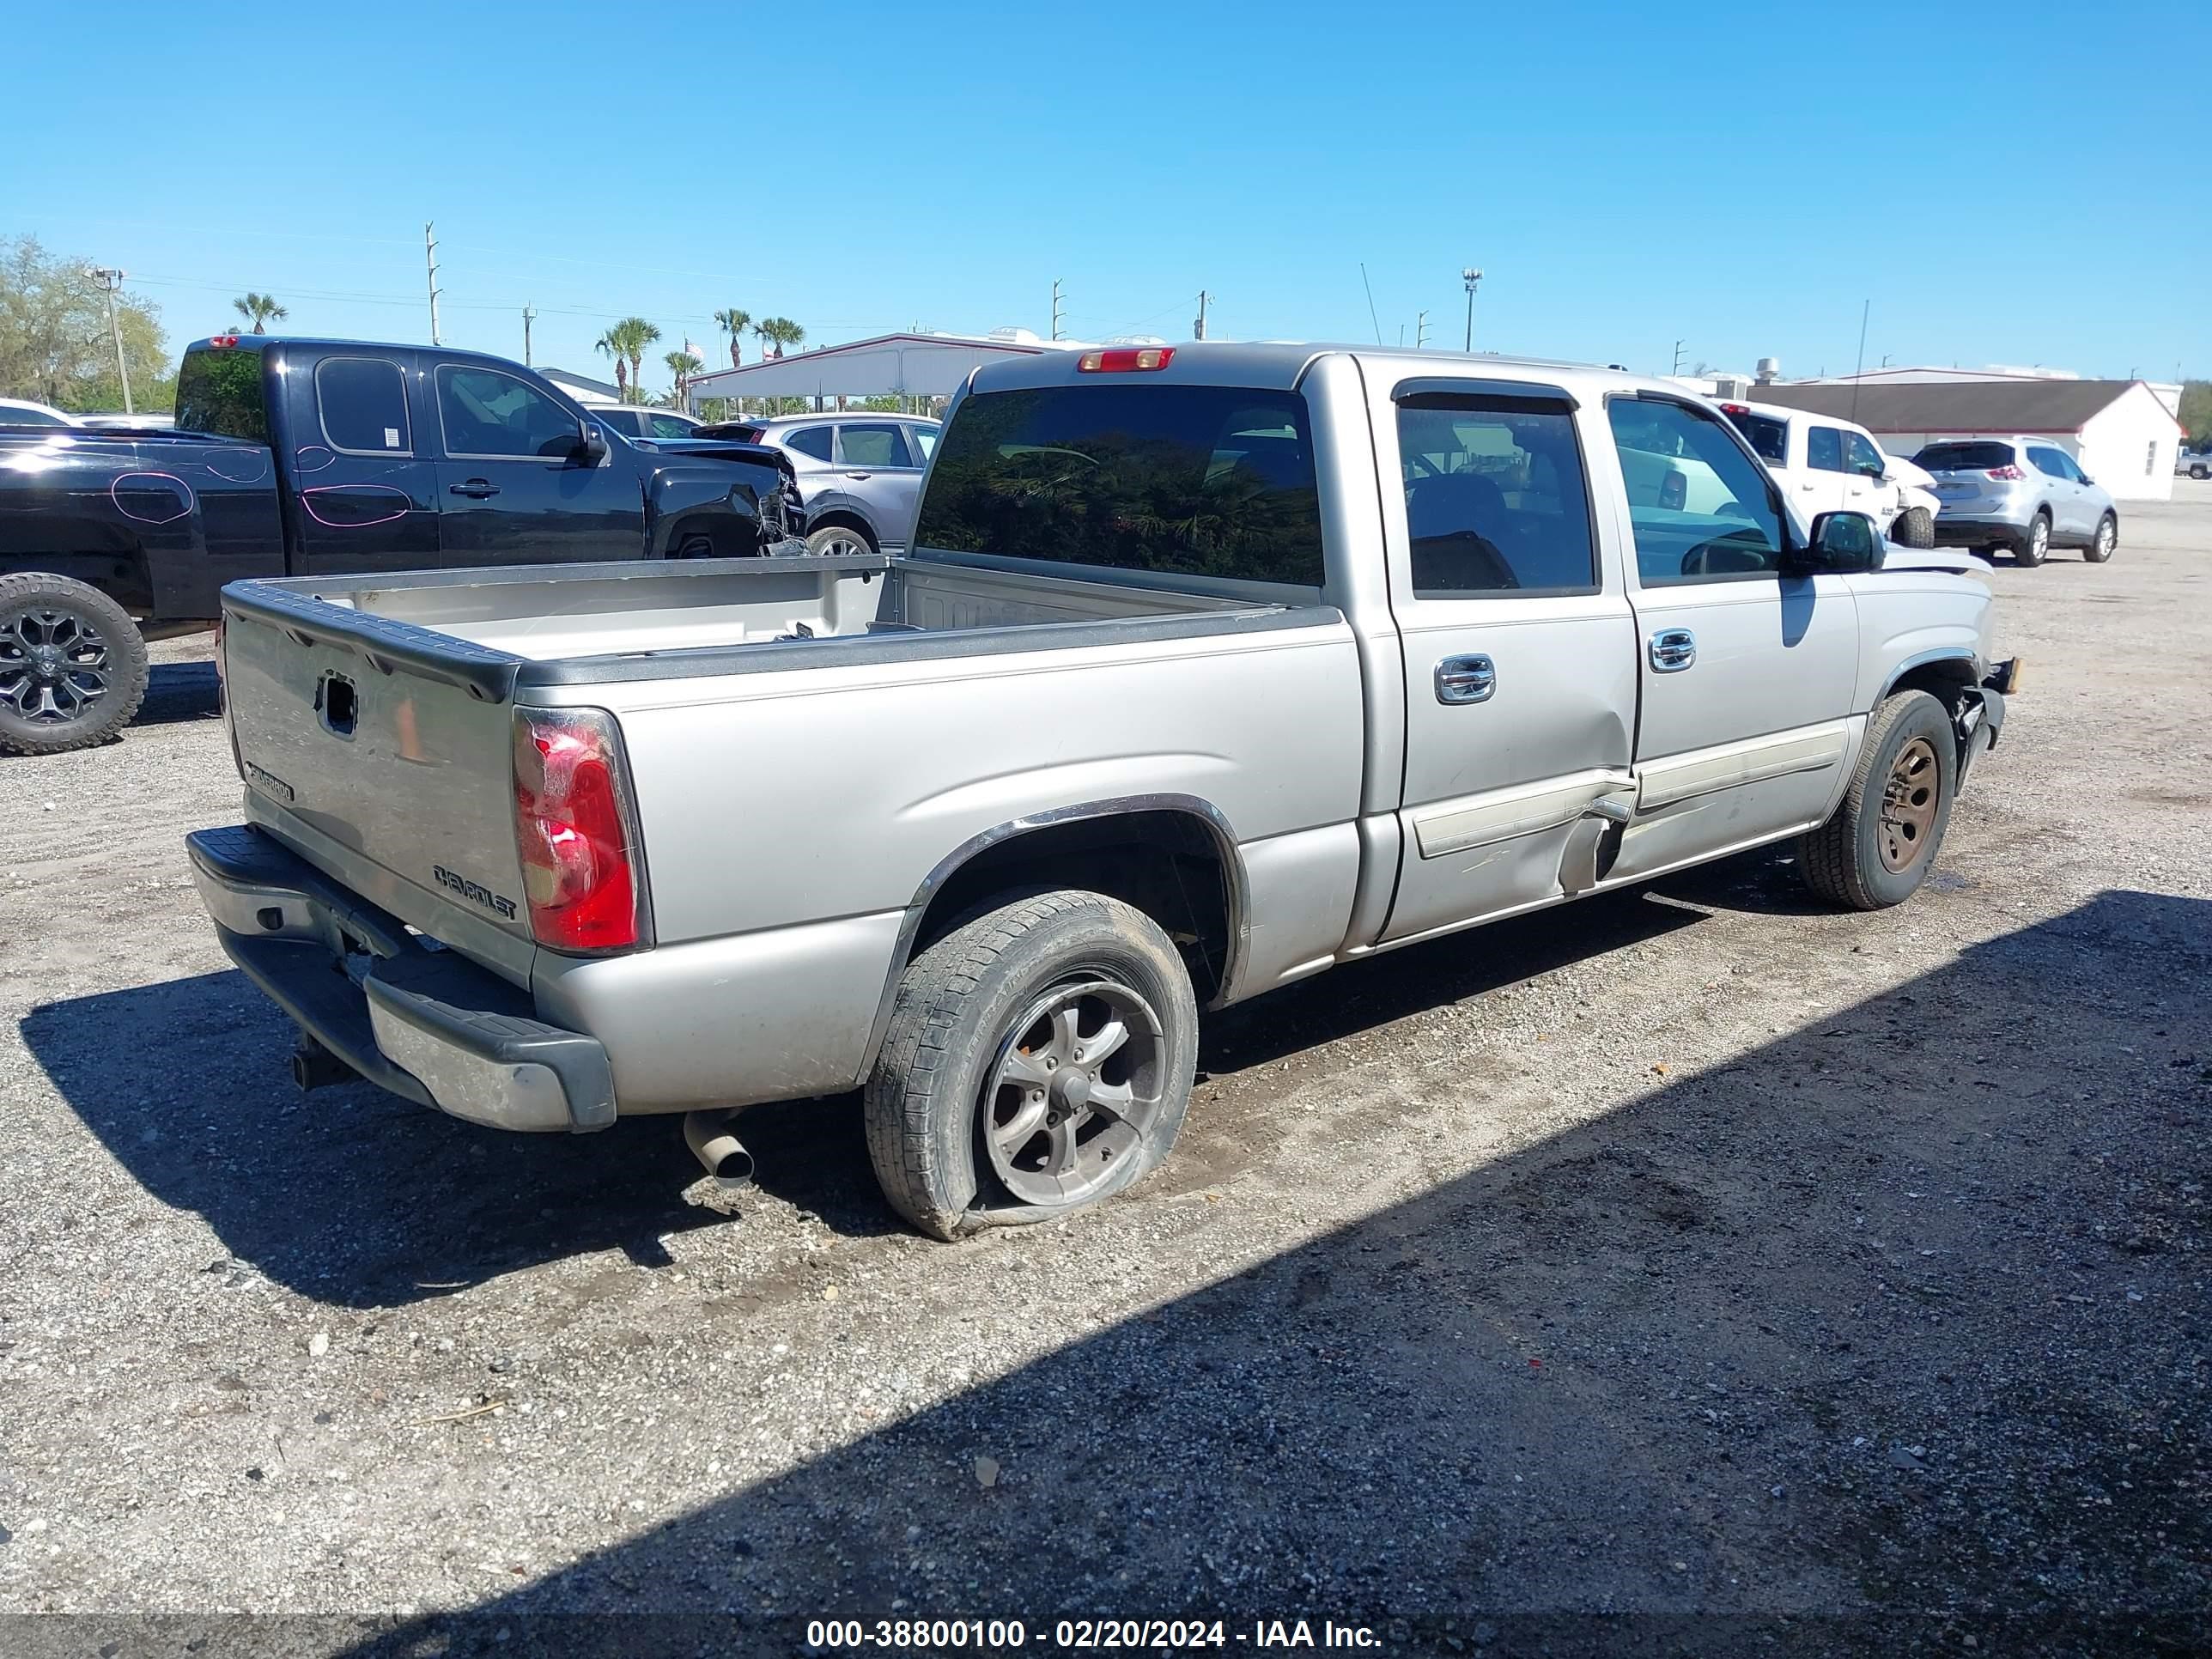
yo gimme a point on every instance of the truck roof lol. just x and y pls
(319, 345)
(1280, 364)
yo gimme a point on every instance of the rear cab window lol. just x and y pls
(1172, 481)
(1824, 448)
(1769, 436)
(1702, 509)
(219, 390)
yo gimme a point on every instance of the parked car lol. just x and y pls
(321, 458)
(859, 476)
(2197, 464)
(1215, 666)
(142, 422)
(1826, 464)
(21, 412)
(635, 423)
(2024, 494)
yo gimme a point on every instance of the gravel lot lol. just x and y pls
(1777, 1281)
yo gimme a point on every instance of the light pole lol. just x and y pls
(1470, 277)
(109, 281)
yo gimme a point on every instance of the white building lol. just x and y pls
(2122, 432)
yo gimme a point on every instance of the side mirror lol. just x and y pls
(591, 443)
(1844, 544)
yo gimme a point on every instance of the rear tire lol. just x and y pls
(837, 538)
(73, 666)
(2034, 547)
(1882, 839)
(2102, 543)
(989, 1104)
(1915, 528)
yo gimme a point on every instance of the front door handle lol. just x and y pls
(1465, 679)
(1672, 649)
(476, 489)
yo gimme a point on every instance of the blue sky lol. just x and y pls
(2005, 187)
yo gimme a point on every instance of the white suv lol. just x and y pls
(1828, 465)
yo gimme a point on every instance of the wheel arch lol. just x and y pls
(1143, 849)
(1943, 673)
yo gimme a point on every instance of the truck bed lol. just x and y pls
(589, 614)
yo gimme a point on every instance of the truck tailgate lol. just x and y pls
(383, 754)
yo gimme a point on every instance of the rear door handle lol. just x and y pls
(858, 475)
(1465, 679)
(1672, 649)
(476, 489)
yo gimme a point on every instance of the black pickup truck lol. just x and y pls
(310, 457)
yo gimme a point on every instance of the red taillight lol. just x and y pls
(1122, 360)
(222, 341)
(573, 830)
(2010, 474)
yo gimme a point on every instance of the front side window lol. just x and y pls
(1181, 480)
(1495, 497)
(1702, 510)
(1824, 448)
(871, 446)
(811, 441)
(11, 416)
(924, 440)
(1862, 457)
(362, 402)
(491, 415)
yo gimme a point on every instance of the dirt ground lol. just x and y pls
(1692, 1270)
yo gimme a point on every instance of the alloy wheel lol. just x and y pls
(1077, 1088)
(54, 667)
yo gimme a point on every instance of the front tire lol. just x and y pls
(1038, 1062)
(1879, 845)
(2034, 547)
(73, 666)
(2107, 539)
(1915, 528)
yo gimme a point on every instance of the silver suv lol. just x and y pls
(2024, 494)
(859, 476)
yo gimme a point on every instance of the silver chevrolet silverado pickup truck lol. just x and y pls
(1211, 667)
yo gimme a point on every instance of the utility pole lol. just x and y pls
(1055, 307)
(1470, 277)
(1858, 369)
(430, 257)
(529, 314)
(109, 281)
(1198, 329)
(1421, 331)
(1678, 358)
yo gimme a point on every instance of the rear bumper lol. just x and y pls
(425, 1024)
(1978, 530)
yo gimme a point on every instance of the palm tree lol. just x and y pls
(781, 331)
(612, 348)
(260, 309)
(637, 334)
(682, 365)
(734, 322)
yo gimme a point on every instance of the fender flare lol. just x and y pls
(1236, 881)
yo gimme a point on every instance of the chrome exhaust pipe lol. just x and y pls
(314, 1066)
(716, 1145)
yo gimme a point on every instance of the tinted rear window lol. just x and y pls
(219, 390)
(363, 403)
(1197, 480)
(1769, 436)
(1964, 457)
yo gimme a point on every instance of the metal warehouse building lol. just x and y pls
(2121, 432)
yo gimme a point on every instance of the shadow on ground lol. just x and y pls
(1891, 1331)
(180, 691)
(358, 1199)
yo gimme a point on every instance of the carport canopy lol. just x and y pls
(910, 365)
